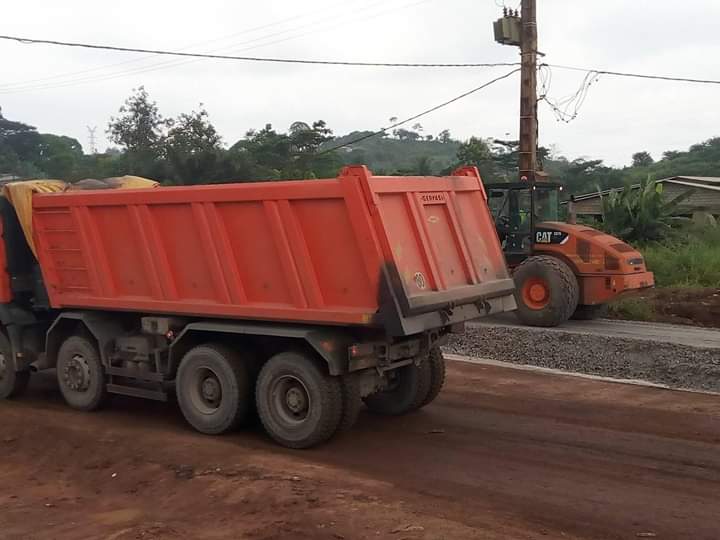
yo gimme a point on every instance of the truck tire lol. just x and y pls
(437, 375)
(547, 291)
(406, 393)
(589, 313)
(213, 389)
(80, 374)
(299, 404)
(351, 402)
(12, 383)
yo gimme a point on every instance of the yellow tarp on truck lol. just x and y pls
(20, 194)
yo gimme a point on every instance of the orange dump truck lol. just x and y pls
(305, 298)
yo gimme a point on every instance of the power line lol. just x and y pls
(136, 60)
(24, 40)
(253, 58)
(423, 113)
(566, 109)
(635, 75)
(175, 63)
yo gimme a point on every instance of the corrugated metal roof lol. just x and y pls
(702, 182)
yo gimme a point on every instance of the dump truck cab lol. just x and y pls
(561, 270)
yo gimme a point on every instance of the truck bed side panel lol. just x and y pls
(320, 251)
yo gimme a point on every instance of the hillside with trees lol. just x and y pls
(188, 149)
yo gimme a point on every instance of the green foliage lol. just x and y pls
(642, 159)
(192, 147)
(477, 152)
(188, 149)
(639, 213)
(140, 129)
(389, 155)
(691, 259)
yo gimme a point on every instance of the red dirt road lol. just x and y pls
(502, 454)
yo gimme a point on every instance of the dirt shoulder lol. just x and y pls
(688, 306)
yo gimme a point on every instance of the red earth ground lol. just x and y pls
(502, 454)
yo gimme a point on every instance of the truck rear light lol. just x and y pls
(361, 349)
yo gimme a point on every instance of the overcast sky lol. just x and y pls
(63, 90)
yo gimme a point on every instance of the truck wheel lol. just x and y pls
(547, 291)
(80, 374)
(213, 389)
(12, 383)
(298, 403)
(406, 392)
(588, 313)
(351, 402)
(437, 375)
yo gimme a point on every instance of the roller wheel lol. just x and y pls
(588, 313)
(299, 404)
(407, 390)
(437, 375)
(12, 383)
(213, 389)
(547, 291)
(80, 374)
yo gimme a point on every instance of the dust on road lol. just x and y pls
(501, 454)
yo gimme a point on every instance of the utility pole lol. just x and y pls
(528, 91)
(521, 31)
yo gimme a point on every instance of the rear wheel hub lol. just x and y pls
(77, 374)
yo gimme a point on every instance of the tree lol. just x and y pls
(18, 143)
(192, 148)
(140, 130)
(267, 151)
(444, 136)
(642, 159)
(474, 151)
(406, 135)
(58, 156)
(305, 144)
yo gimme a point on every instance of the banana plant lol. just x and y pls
(640, 213)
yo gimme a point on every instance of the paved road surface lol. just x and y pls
(502, 454)
(664, 333)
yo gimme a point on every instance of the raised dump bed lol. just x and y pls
(305, 297)
(350, 250)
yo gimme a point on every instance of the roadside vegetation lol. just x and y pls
(188, 149)
(690, 259)
(684, 256)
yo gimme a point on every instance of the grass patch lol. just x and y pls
(691, 260)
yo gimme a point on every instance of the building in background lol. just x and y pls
(703, 201)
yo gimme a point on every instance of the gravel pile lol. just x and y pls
(677, 366)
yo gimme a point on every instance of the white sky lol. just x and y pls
(62, 90)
